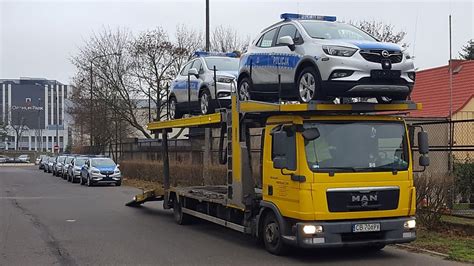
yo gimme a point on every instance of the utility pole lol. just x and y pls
(57, 113)
(207, 26)
(40, 141)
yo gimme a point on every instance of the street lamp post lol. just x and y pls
(91, 92)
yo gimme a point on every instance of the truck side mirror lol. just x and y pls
(423, 145)
(288, 41)
(193, 72)
(311, 134)
(284, 150)
(424, 160)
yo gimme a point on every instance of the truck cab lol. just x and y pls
(337, 180)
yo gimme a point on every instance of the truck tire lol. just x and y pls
(180, 217)
(272, 237)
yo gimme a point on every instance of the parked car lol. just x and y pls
(99, 170)
(200, 71)
(39, 160)
(74, 169)
(310, 57)
(64, 169)
(58, 166)
(50, 165)
(23, 158)
(44, 163)
(3, 159)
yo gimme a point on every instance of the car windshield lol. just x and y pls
(69, 159)
(332, 30)
(222, 63)
(102, 162)
(80, 161)
(357, 146)
(61, 159)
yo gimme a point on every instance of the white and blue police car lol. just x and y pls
(198, 83)
(312, 57)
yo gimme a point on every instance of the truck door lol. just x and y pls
(279, 186)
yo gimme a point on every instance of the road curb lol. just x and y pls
(423, 250)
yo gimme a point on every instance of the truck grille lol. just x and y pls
(362, 200)
(376, 56)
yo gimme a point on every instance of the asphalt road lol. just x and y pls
(45, 220)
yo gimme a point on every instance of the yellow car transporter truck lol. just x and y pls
(332, 175)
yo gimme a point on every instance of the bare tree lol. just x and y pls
(227, 39)
(154, 57)
(187, 41)
(18, 124)
(382, 31)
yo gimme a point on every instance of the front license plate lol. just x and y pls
(375, 227)
(385, 74)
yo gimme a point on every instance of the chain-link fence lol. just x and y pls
(451, 163)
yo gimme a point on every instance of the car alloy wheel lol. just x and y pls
(307, 87)
(244, 94)
(172, 108)
(204, 102)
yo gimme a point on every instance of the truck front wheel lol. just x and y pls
(272, 235)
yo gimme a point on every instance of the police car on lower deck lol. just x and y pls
(310, 57)
(198, 82)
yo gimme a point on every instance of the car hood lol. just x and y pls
(231, 74)
(364, 45)
(105, 168)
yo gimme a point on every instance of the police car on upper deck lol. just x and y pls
(311, 57)
(201, 72)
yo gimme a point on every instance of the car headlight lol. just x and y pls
(339, 50)
(95, 172)
(117, 172)
(225, 79)
(410, 224)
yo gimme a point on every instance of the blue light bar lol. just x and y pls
(204, 53)
(306, 17)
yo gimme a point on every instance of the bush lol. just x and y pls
(464, 181)
(432, 197)
(181, 173)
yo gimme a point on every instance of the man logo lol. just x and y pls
(385, 53)
(364, 199)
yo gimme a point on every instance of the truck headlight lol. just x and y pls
(410, 224)
(339, 50)
(225, 79)
(310, 229)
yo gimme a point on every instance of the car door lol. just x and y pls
(264, 73)
(196, 81)
(179, 85)
(286, 59)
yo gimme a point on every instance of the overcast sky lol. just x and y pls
(37, 38)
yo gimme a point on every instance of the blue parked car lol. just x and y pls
(100, 170)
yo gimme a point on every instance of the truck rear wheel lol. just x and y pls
(272, 235)
(180, 217)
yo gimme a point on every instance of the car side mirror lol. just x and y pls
(193, 72)
(423, 145)
(288, 41)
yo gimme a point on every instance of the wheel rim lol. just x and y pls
(272, 233)
(307, 87)
(244, 93)
(172, 111)
(204, 103)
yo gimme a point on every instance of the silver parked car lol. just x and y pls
(311, 57)
(100, 170)
(202, 92)
(74, 169)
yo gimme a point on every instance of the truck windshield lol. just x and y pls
(357, 146)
